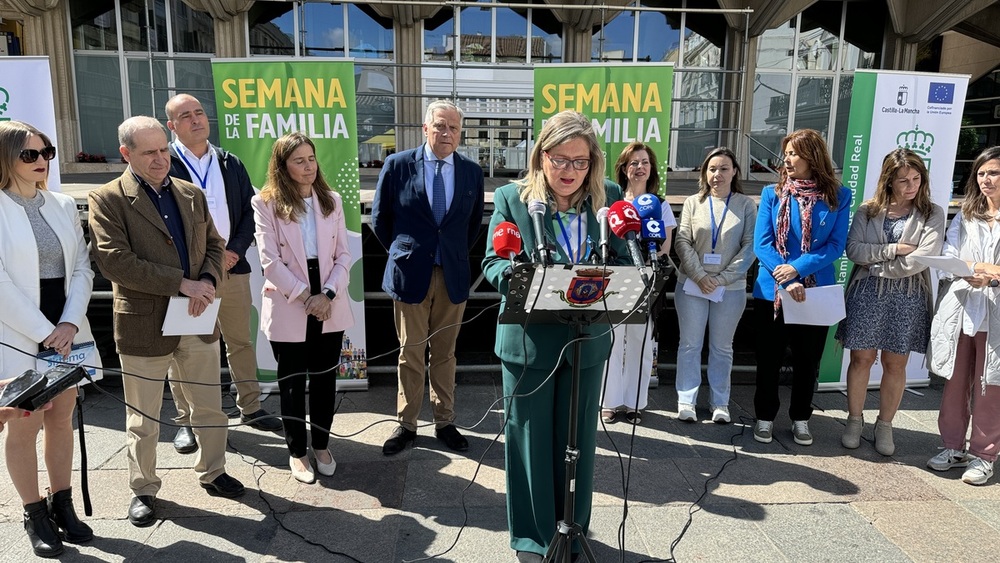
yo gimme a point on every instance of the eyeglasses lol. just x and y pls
(638, 163)
(563, 163)
(29, 156)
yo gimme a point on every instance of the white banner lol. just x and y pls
(26, 95)
(894, 109)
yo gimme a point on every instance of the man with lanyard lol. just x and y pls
(228, 190)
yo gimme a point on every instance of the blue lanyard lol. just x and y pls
(576, 256)
(716, 231)
(208, 169)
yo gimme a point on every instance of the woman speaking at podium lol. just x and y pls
(566, 171)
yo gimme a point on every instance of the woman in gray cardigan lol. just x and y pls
(715, 247)
(889, 296)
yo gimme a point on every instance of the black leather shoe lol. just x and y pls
(62, 513)
(397, 442)
(42, 533)
(261, 421)
(184, 441)
(451, 438)
(224, 486)
(141, 512)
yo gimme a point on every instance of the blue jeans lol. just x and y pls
(722, 319)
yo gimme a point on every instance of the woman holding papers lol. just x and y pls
(801, 230)
(965, 333)
(302, 239)
(630, 366)
(715, 248)
(46, 278)
(566, 172)
(889, 297)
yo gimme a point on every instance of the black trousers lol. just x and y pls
(317, 359)
(773, 337)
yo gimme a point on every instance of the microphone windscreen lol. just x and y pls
(649, 207)
(506, 239)
(623, 218)
(652, 230)
(536, 206)
(602, 214)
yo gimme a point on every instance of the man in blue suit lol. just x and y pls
(427, 213)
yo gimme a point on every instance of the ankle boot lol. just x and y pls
(883, 437)
(41, 530)
(62, 513)
(852, 432)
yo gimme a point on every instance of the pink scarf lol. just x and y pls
(807, 194)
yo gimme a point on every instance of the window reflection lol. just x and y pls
(819, 35)
(477, 30)
(323, 33)
(769, 119)
(512, 33)
(94, 26)
(272, 29)
(545, 26)
(613, 42)
(863, 32)
(194, 31)
(370, 35)
(439, 32)
(775, 47)
(659, 36)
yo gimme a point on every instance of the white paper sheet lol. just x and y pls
(691, 288)
(179, 323)
(950, 264)
(824, 306)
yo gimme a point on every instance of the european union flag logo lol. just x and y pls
(941, 93)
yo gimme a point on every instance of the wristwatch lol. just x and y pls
(994, 283)
(330, 293)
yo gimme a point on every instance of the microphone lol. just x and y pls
(507, 242)
(652, 235)
(648, 205)
(651, 213)
(624, 222)
(602, 245)
(537, 210)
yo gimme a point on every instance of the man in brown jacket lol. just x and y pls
(154, 239)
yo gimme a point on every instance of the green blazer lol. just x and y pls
(538, 345)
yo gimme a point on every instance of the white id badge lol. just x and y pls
(712, 259)
(211, 202)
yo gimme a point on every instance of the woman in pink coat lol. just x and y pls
(302, 239)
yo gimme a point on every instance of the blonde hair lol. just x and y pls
(14, 137)
(975, 205)
(811, 147)
(893, 162)
(279, 187)
(561, 128)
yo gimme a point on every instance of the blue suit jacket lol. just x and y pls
(404, 223)
(829, 237)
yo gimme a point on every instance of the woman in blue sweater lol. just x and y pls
(801, 230)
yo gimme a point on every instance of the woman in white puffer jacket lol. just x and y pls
(965, 333)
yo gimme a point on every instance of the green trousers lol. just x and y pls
(536, 434)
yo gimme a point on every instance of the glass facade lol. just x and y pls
(129, 56)
(805, 74)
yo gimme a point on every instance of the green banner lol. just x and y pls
(625, 102)
(258, 102)
(859, 130)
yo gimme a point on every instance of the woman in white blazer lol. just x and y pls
(45, 283)
(302, 239)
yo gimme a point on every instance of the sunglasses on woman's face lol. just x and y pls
(29, 156)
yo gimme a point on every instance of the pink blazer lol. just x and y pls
(283, 256)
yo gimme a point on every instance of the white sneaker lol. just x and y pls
(720, 415)
(800, 433)
(948, 458)
(979, 471)
(686, 413)
(762, 431)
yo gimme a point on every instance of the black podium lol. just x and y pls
(577, 295)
